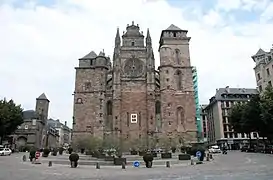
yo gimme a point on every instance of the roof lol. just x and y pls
(42, 97)
(172, 27)
(260, 52)
(233, 91)
(56, 124)
(90, 55)
(30, 114)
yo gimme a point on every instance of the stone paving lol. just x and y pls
(233, 166)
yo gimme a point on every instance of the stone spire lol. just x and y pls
(148, 38)
(117, 39)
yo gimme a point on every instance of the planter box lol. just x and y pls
(134, 152)
(101, 156)
(109, 158)
(119, 161)
(154, 154)
(45, 155)
(184, 157)
(166, 155)
(141, 153)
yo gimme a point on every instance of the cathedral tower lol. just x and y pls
(133, 84)
(89, 95)
(176, 85)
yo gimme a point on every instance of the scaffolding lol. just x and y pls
(196, 97)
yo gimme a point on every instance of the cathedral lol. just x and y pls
(128, 98)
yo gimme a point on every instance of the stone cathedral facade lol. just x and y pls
(128, 98)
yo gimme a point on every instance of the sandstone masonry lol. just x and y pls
(128, 99)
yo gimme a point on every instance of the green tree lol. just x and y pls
(11, 116)
(251, 115)
(267, 112)
(236, 117)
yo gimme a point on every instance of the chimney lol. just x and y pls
(227, 89)
(65, 123)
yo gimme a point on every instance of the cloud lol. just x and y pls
(41, 44)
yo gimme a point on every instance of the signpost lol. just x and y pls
(37, 155)
(198, 155)
(136, 164)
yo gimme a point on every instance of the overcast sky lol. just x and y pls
(42, 40)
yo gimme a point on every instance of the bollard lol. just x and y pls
(24, 158)
(123, 165)
(168, 165)
(49, 163)
(207, 157)
(97, 165)
(192, 163)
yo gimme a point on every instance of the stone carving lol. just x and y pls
(133, 68)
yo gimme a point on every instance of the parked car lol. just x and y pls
(248, 149)
(215, 149)
(268, 149)
(5, 151)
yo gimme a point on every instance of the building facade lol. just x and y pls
(129, 99)
(219, 130)
(33, 132)
(63, 131)
(263, 68)
(204, 123)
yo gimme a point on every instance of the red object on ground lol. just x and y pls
(37, 154)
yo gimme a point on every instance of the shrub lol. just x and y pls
(61, 150)
(173, 149)
(74, 157)
(32, 153)
(70, 150)
(55, 152)
(46, 152)
(148, 157)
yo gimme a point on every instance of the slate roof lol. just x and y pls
(231, 92)
(260, 52)
(90, 55)
(173, 27)
(30, 114)
(42, 97)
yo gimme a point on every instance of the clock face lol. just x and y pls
(133, 67)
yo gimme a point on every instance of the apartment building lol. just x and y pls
(219, 131)
(203, 115)
(263, 68)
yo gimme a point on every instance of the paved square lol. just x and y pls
(233, 166)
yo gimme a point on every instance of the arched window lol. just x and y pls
(157, 107)
(180, 115)
(109, 108)
(177, 52)
(179, 79)
(79, 101)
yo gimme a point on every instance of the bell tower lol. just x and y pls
(176, 85)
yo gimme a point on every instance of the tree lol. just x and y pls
(236, 117)
(267, 112)
(11, 116)
(251, 115)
